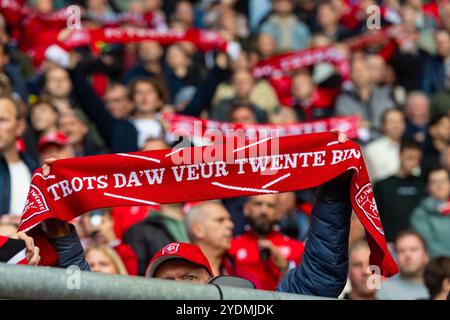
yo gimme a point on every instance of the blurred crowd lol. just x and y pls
(82, 103)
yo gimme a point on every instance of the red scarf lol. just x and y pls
(181, 125)
(226, 170)
(300, 59)
(291, 61)
(203, 40)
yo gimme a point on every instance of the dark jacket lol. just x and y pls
(146, 238)
(5, 181)
(433, 75)
(70, 251)
(396, 199)
(324, 267)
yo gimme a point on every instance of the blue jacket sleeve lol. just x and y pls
(324, 267)
(70, 251)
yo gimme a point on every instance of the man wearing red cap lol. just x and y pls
(181, 262)
(55, 145)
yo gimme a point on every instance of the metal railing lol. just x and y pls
(26, 282)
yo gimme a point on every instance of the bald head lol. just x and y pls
(209, 224)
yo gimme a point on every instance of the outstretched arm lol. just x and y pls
(323, 271)
(64, 239)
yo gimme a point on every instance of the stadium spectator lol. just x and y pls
(57, 88)
(399, 194)
(55, 145)
(244, 84)
(117, 101)
(437, 140)
(102, 258)
(383, 154)
(210, 227)
(262, 245)
(412, 258)
(437, 278)
(431, 218)
(417, 112)
(288, 31)
(359, 272)
(435, 74)
(74, 125)
(364, 99)
(15, 167)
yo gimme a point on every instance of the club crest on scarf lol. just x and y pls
(35, 203)
(366, 202)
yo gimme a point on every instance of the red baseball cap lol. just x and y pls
(56, 138)
(178, 250)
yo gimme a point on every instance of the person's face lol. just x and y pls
(10, 127)
(262, 212)
(216, 229)
(326, 16)
(441, 130)
(73, 128)
(57, 151)
(302, 87)
(394, 125)
(411, 255)
(228, 21)
(154, 144)
(439, 185)
(243, 84)
(44, 6)
(283, 6)
(43, 117)
(243, 115)
(181, 270)
(409, 17)
(443, 43)
(146, 98)
(360, 74)
(358, 271)
(266, 44)
(117, 102)
(99, 262)
(377, 68)
(95, 4)
(150, 51)
(177, 58)
(58, 83)
(152, 5)
(185, 12)
(410, 160)
(418, 110)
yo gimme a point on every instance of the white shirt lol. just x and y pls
(382, 157)
(20, 178)
(146, 128)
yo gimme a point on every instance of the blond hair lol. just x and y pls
(112, 256)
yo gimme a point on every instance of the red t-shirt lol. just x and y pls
(247, 262)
